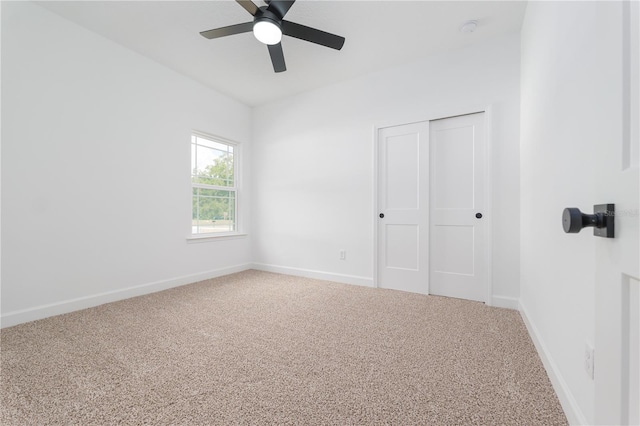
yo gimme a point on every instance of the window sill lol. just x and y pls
(210, 238)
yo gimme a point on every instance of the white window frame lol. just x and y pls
(213, 236)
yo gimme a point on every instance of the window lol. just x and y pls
(214, 190)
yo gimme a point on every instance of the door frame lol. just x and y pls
(427, 117)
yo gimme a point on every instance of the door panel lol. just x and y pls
(402, 174)
(403, 184)
(403, 246)
(454, 254)
(631, 352)
(453, 177)
(458, 237)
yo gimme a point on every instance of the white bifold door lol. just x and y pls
(431, 207)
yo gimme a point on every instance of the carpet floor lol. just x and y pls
(263, 348)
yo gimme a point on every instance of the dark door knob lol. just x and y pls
(602, 220)
(381, 215)
(478, 215)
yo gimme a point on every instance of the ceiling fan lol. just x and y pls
(268, 26)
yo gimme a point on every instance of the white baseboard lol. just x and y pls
(505, 302)
(319, 275)
(572, 410)
(39, 312)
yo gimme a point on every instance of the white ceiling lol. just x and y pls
(379, 34)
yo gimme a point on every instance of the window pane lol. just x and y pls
(212, 164)
(215, 145)
(213, 211)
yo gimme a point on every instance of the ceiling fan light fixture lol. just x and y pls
(267, 31)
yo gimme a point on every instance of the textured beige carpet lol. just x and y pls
(262, 348)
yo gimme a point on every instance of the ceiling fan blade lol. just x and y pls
(280, 7)
(277, 57)
(311, 34)
(249, 6)
(226, 31)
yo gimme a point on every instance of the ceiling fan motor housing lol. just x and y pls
(265, 15)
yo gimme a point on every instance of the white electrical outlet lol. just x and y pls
(343, 254)
(588, 359)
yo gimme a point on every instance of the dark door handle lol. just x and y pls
(478, 215)
(381, 215)
(602, 220)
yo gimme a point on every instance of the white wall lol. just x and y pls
(313, 160)
(558, 133)
(95, 169)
